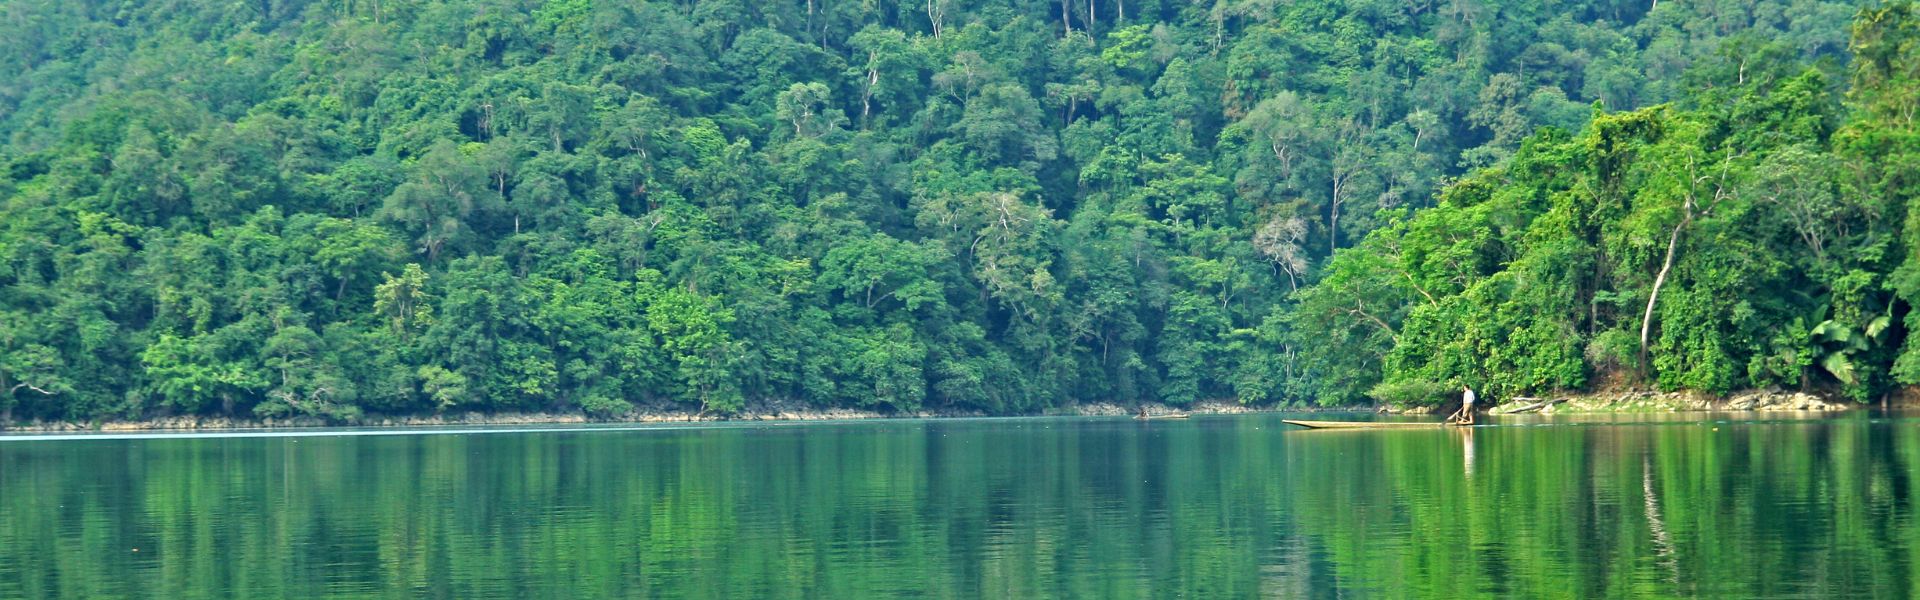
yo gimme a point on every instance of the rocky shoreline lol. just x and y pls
(1630, 401)
(764, 411)
(1639, 401)
(474, 419)
(1203, 407)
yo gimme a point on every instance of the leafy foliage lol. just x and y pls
(1752, 237)
(325, 208)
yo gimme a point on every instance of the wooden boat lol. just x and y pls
(1159, 417)
(1367, 424)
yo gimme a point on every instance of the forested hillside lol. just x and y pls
(1757, 236)
(331, 207)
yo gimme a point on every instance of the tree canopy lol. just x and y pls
(329, 208)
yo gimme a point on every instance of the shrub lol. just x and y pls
(1411, 393)
(1613, 350)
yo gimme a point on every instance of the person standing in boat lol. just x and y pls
(1465, 416)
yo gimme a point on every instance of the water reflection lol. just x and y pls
(1212, 507)
(1466, 450)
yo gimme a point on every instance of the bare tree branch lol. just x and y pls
(29, 386)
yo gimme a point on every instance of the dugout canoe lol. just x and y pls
(1367, 424)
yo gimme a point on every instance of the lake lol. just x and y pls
(1212, 507)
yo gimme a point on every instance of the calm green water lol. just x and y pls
(1214, 507)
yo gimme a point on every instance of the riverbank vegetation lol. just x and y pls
(291, 207)
(1757, 235)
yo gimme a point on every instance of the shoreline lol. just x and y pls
(1595, 403)
(765, 412)
(1644, 401)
